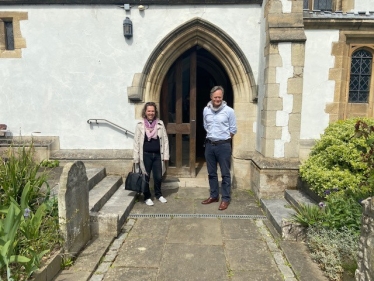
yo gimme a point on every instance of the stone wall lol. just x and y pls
(365, 270)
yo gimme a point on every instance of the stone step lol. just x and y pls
(94, 175)
(112, 216)
(297, 197)
(277, 210)
(102, 191)
(280, 212)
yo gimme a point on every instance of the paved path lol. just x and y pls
(185, 240)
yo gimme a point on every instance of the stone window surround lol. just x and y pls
(340, 108)
(19, 41)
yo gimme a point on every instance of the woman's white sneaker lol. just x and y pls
(149, 202)
(162, 199)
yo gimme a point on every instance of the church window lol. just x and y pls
(360, 76)
(322, 5)
(9, 37)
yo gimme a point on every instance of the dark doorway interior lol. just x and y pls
(179, 83)
(210, 73)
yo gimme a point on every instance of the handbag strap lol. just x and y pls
(133, 168)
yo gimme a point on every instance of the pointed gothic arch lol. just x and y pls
(147, 85)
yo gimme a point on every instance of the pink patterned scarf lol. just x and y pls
(151, 129)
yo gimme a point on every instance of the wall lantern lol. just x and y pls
(127, 28)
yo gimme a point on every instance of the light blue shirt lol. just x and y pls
(219, 124)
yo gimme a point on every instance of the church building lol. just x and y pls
(76, 74)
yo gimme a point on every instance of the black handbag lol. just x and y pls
(136, 181)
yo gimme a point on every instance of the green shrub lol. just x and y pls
(334, 250)
(336, 162)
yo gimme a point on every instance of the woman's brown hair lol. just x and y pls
(145, 108)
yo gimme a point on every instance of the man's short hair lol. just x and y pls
(216, 88)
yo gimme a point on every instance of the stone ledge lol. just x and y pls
(287, 35)
(92, 154)
(49, 271)
(264, 163)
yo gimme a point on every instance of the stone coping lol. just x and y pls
(26, 141)
(338, 20)
(93, 154)
(338, 14)
(264, 163)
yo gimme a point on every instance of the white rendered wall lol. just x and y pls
(77, 65)
(318, 90)
(363, 5)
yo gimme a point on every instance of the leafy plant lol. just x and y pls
(16, 172)
(8, 242)
(50, 163)
(34, 227)
(337, 213)
(336, 162)
(66, 262)
(308, 215)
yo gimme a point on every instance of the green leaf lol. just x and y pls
(19, 258)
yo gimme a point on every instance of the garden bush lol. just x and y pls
(336, 162)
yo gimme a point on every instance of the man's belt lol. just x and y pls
(217, 142)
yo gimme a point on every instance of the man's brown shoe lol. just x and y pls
(210, 200)
(223, 205)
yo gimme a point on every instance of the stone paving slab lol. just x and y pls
(140, 252)
(245, 255)
(150, 228)
(131, 274)
(203, 231)
(201, 262)
(240, 229)
(176, 206)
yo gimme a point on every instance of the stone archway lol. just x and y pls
(197, 31)
(146, 86)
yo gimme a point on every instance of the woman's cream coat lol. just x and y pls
(139, 141)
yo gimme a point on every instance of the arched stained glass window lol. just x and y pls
(359, 83)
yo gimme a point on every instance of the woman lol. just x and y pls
(151, 150)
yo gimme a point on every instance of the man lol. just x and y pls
(220, 125)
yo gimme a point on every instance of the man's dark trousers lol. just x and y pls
(221, 154)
